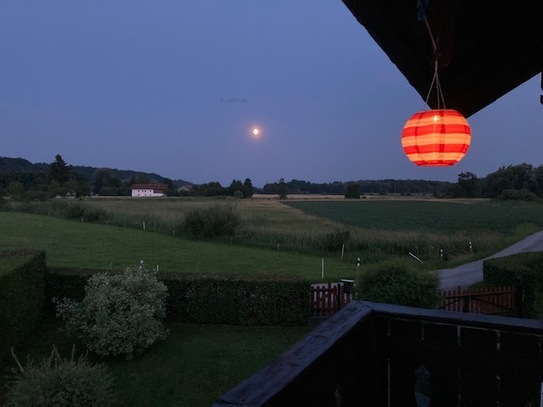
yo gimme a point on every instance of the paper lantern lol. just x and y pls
(438, 137)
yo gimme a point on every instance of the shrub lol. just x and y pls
(352, 190)
(121, 314)
(213, 221)
(522, 270)
(518, 195)
(94, 214)
(58, 382)
(394, 282)
(74, 210)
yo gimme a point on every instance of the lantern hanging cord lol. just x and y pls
(439, 91)
(435, 79)
(434, 44)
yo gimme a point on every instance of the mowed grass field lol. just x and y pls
(83, 245)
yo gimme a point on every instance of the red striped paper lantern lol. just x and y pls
(438, 137)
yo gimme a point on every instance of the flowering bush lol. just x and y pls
(121, 314)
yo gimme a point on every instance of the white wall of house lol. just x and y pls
(146, 192)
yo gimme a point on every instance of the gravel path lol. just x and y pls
(470, 273)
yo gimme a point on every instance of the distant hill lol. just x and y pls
(20, 165)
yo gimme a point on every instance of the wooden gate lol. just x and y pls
(327, 299)
(490, 300)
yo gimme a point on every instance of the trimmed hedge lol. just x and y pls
(238, 299)
(213, 299)
(524, 269)
(22, 295)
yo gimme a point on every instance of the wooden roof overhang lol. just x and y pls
(486, 47)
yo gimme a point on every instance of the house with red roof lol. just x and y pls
(149, 190)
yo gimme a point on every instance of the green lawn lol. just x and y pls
(76, 244)
(191, 368)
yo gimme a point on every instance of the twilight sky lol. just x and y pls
(176, 86)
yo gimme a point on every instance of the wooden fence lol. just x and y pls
(327, 299)
(490, 300)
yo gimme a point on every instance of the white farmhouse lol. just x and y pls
(149, 190)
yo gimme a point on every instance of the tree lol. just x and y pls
(140, 179)
(248, 189)
(78, 183)
(236, 189)
(210, 189)
(282, 189)
(538, 179)
(353, 190)
(469, 184)
(512, 177)
(58, 170)
(240, 190)
(105, 180)
(172, 191)
(15, 190)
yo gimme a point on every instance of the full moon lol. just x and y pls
(256, 132)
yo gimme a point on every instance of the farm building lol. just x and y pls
(149, 190)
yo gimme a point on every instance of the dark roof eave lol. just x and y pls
(490, 56)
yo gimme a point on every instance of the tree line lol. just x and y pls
(236, 189)
(523, 181)
(22, 180)
(354, 188)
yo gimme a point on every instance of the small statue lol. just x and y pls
(423, 392)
